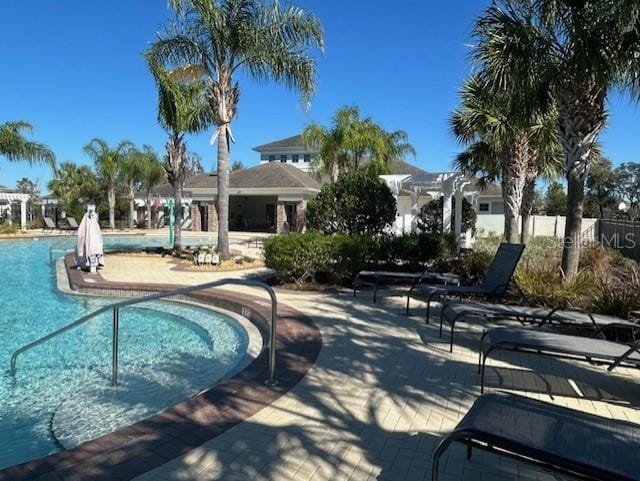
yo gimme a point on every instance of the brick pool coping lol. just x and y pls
(140, 447)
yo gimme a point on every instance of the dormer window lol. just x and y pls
(307, 158)
(272, 158)
(295, 158)
(283, 158)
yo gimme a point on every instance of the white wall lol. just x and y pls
(540, 225)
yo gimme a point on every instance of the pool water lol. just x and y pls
(61, 394)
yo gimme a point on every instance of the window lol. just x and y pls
(307, 157)
(483, 207)
(283, 158)
(295, 158)
(272, 158)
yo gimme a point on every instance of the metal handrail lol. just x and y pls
(138, 300)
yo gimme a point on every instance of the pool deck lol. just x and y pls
(381, 394)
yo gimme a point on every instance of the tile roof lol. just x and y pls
(272, 175)
(288, 143)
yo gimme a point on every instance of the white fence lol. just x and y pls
(540, 225)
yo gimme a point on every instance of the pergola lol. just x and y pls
(17, 197)
(439, 184)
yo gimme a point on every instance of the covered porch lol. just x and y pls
(9, 203)
(252, 213)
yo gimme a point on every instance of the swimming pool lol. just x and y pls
(61, 395)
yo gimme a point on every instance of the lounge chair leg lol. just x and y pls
(451, 337)
(469, 452)
(375, 291)
(426, 319)
(484, 362)
(355, 285)
(408, 300)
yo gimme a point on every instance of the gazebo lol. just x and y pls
(439, 184)
(9, 197)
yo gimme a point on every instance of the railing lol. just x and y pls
(139, 300)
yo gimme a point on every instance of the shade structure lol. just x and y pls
(89, 248)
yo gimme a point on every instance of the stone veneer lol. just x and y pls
(196, 220)
(212, 217)
(281, 217)
(136, 449)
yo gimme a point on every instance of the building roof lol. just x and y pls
(273, 175)
(401, 167)
(288, 143)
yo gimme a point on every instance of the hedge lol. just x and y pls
(315, 257)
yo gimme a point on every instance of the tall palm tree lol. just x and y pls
(153, 173)
(182, 108)
(109, 161)
(131, 173)
(15, 147)
(577, 52)
(350, 139)
(218, 39)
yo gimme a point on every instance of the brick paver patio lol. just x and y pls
(381, 395)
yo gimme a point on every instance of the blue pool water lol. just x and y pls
(61, 395)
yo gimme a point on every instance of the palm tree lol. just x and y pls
(15, 147)
(182, 108)
(506, 141)
(576, 52)
(109, 162)
(71, 184)
(218, 39)
(131, 173)
(153, 173)
(350, 139)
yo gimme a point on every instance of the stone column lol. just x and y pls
(212, 217)
(281, 217)
(301, 216)
(23, 215)
(196, 220)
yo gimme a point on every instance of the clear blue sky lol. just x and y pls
(73, 68)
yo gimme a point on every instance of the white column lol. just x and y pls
(447, 192)
(415, 210)
(23, 215)
(458, 224)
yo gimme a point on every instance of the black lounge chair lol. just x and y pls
(553, 437)
(49, 225)
(406, 278)
(537, 341)
(495, 283)
(575, 319)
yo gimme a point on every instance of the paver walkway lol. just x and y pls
(383, 392)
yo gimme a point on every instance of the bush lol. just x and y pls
(430, 216)
(9, 228)
(354, 204)
(316, 257)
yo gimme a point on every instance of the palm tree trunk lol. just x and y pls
(223, 194)
(111, 196)
(513, 180)
(132, 209)
(581, 118)
(177, 226)
(525, 211)
(149, 209)
(511, 207)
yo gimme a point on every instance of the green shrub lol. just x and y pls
(9, 228)
(37, 223)
(316, 257)
(298, 258)
(354, 204)
(430, 216)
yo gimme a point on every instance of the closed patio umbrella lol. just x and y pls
(89, 249)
